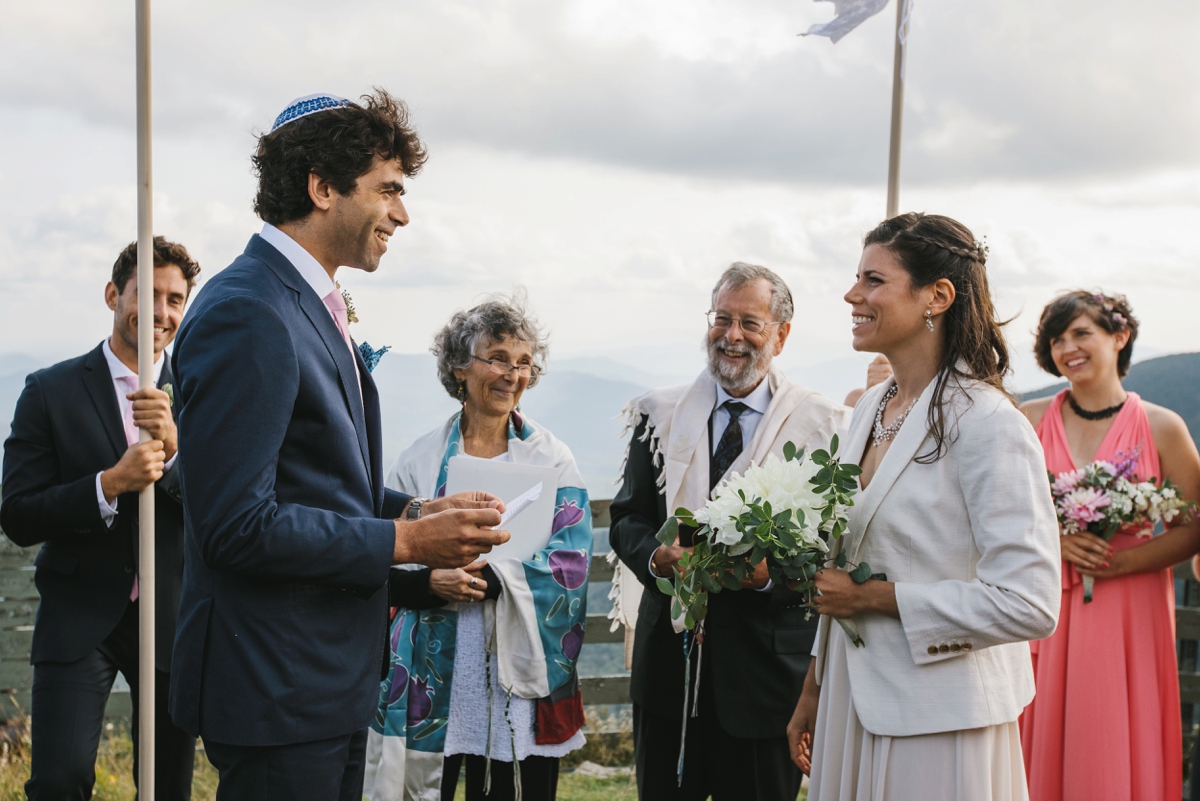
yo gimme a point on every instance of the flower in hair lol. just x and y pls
(1099, 299)
(1119, 319)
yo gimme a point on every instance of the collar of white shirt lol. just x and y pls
(758, 400)
(309, 268)
(117, 368)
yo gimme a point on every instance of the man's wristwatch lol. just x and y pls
(414, 508)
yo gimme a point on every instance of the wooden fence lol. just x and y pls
(19, 599)
(18, 604)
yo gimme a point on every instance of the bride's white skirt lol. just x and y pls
(851, 764)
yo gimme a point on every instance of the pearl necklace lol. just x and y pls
(881, 433)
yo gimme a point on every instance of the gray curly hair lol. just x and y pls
(497, 317)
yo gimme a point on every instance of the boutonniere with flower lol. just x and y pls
(351, 315)
(370, 356)
(170, 390)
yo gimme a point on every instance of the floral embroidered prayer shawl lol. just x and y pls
(539, 625)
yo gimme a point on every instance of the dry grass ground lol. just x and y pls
(114, 770)
(114, 773)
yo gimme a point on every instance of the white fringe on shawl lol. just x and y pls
(677, 431)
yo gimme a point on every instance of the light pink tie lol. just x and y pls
(337, 307)
(131, 431)
(131, 439)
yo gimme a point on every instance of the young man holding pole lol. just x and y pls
(290, 533)
(73, 468)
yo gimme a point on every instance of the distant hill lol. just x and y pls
(580, 407)
(580, 400)
(1170, 381)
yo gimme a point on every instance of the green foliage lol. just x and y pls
(770, 535)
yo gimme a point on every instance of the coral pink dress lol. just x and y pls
(1104, 725)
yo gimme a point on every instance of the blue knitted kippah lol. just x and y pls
(303, 106)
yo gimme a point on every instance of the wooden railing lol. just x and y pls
(611, 689)
(19, 600)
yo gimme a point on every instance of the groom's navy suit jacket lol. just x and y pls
(288, 529)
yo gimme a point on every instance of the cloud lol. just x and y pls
(613, 156)
(996, 90)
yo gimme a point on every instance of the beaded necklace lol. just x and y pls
(881, 433)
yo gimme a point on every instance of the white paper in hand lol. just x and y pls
(520, 503)
(528, 494)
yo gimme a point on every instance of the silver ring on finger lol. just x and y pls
(474, 581)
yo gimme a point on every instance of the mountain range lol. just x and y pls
(580, 400)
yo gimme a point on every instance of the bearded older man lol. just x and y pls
(745, 675)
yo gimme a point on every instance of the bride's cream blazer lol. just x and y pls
(971, 541)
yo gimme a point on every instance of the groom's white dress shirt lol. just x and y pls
(310, 270)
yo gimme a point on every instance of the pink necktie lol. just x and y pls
(131, 431)
(131, 439)
(337, 307)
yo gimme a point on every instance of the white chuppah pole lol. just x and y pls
(145, 286)
(899, 64)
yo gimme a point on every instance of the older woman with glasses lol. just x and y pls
(482, 658)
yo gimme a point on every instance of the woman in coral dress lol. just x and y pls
(1105, 723)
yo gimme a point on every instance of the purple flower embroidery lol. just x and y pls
(569, 568)
(566, 515)
(572, 641)
(420, 700)
(399, 684)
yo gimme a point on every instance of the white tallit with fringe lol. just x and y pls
(677, 430)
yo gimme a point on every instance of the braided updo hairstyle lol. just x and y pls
(930, 247)
(1111, 312)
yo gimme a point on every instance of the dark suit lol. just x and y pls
(289, 537)
(67, 427)
(755, 655)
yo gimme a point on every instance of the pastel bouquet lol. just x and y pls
(784, 511)
(1103, 498)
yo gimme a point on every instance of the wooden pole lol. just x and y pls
(145, 285)
(893, 188)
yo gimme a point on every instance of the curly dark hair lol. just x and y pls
(1111, 312)
(165, 253)
(930, 247)
(337, 144)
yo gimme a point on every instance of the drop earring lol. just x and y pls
(929, 320)
(462, 392)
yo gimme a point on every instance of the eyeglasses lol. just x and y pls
(504, 368)
(749, 325)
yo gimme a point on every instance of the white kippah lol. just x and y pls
(303, 106)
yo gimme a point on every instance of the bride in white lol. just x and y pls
(956, 510)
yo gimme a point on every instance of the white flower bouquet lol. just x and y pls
(1103, 498)
(784, 511)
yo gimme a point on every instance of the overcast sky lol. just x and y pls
(614, 155)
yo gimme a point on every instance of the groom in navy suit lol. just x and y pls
(289, 532)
